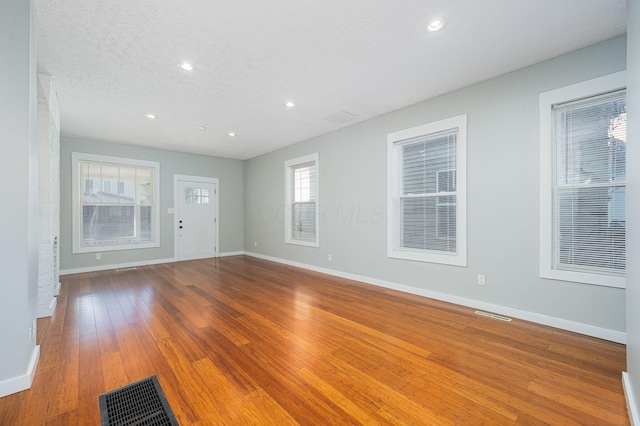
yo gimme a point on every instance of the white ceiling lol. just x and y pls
(115, 60)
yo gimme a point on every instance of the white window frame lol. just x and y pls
(394, 182)
(439, 204)
(547, 100)
(288, 213)
(76, 197)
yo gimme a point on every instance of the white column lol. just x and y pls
(49, 191)
(19, 214)
(632, 379)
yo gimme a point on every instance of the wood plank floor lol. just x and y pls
(243, 341)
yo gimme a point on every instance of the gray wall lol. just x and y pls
(19, 174)
(633, 198)
(502, 204)
(228, 171)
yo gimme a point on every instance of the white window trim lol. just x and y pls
(76, 201)
(288, 214)
(577, 91)
(394, 180)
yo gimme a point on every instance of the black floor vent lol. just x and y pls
(140, 403)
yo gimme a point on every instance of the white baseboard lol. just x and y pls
(47, 311)
(231, 253)
(56, 289)
(576, 327)
(23, 382)
(632, 408)
(97, 268)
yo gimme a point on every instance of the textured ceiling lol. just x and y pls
(113, 61)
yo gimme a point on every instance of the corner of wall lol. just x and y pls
(23, 382)
(629, 394)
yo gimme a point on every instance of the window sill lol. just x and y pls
(104, 248)
(303, 243)
(584, 278)
(454, 259)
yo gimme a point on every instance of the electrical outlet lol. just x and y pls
(330, 258)
(98, 256)
(481, 280)
(255, 244)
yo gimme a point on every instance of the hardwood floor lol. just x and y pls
(240, 340)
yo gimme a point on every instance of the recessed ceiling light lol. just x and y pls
(186, 66)
(201, 128)
(289, 104)
(436, 25)
(232, 134)
(151, 116)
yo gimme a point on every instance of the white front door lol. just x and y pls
(196, 218)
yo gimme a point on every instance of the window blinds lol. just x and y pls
(304, 179)
(428, 195)
(589, 184)
(117, 204)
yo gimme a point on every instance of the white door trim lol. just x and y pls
(176, 204)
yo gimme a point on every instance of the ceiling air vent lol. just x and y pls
(339, 117)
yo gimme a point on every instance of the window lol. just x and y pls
(115, 203)
(301, 201)
(582, 186)
(427, 192)
(196, 195)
